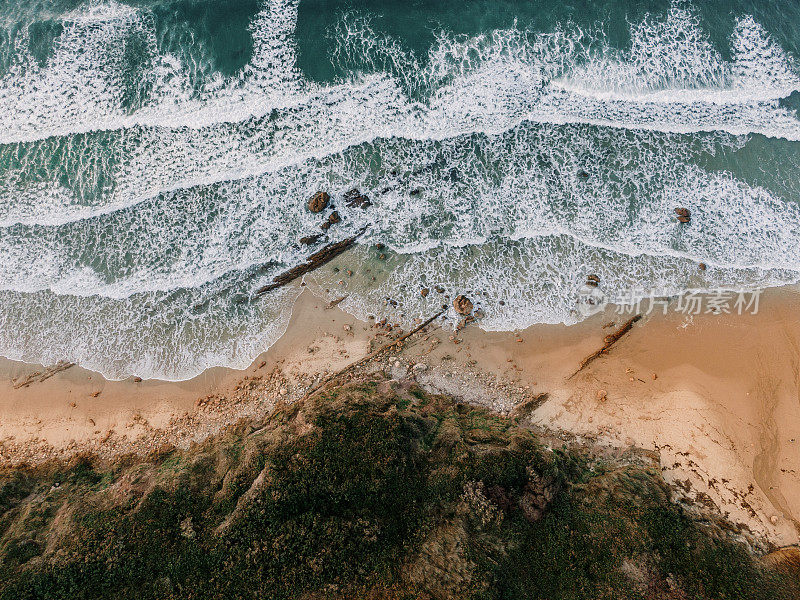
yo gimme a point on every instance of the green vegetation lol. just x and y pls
(371, 490)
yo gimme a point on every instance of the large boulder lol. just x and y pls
(318, 202)
(463, 305)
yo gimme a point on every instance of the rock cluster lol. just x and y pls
(355, 199)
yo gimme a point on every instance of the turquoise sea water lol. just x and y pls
(156, 156)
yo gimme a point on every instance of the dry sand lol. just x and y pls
(718, 396)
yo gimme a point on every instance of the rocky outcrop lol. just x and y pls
(314, 261)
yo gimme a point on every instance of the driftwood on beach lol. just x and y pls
(608, 341)
(314, 261)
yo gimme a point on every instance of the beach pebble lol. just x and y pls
(420, 367)
(773, 519)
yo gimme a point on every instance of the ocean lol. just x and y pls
(156, 158)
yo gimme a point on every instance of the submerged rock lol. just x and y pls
(310, 239)
(355, 199)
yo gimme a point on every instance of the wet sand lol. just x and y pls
(718, 396)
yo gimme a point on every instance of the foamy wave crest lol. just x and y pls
(142, 194)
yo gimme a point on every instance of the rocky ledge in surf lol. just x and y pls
(314, 261)
(374, 489)
(355, 199)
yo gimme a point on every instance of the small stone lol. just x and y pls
(282, 391)
(420, 367)
(773, 519)
(702, 266)
(334, 217)
(137, 380)
(602, 396)
(347, 327)
(318, 202)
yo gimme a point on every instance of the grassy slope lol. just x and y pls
(368, 491)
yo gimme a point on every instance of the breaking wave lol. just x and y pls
(142, 193)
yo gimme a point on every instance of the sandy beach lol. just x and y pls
(717, 396)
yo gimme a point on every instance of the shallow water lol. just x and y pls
(155, 160)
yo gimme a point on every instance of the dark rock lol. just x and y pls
(334, 218)
(310, 239)
(425, 292)
(326, 225)
(355, 199)
(380, 246)
(702, 266)
(416, 192)
(318, 202)
(593, 280)
(583, 174)
(463, 305)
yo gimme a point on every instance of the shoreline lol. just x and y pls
(718, 397)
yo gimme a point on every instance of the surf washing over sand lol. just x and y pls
(151, 180)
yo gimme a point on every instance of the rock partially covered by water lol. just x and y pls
(684, 214)
(310, 239)
(463, 305)
(355, 199)
(318, 202)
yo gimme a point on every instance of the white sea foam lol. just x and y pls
(126, 204)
